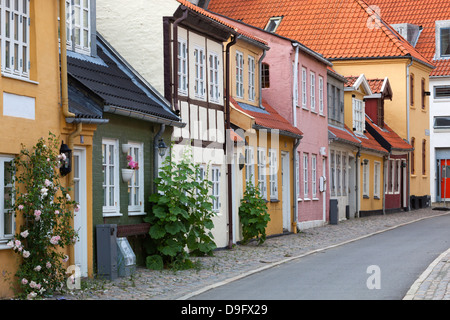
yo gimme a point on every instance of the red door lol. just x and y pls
(445, 178)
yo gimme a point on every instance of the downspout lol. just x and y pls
(358, 172)
(294, 151)
(385, 164)
(408, 95)
(229, 147)
(156, 154)
(175, 56)
(295, 86)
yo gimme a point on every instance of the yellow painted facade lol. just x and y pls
(397, 111)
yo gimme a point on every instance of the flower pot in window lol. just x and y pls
(127, 174)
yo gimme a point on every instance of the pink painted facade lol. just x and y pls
(312, 206)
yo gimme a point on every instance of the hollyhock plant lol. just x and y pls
(43, 205)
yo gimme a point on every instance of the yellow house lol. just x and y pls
(268, 139)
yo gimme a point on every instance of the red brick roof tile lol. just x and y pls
(344, 135)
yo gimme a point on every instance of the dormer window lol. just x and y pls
(273, 24)
(359, 123)
(442, 39)
(78, 23)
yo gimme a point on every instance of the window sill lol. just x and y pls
(424, 176)
(305, 108)
(11, 76)
(274, 200)
(4, 246)
(366, 197)
(306, 199)
(376, 198)
(299, 200)
(413, 176)
(315, 199)
(136, 213)
(314, 111)
(112, 214)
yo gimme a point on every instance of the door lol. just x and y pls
(286, 192)
(324, 188)
(444, 177)
(352, 187)
(80, 218)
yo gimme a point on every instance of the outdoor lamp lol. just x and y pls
(66, 160)
(162, 148)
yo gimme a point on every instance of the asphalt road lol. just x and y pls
(381, 267)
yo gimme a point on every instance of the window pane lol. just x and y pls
(8, 223)
(442, 92)
(445, 41)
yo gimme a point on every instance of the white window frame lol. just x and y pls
(214, 77)
(249, 165)
(133, 208)
(312, 93)
(199, 72)
(78, 19)
(3, 211)
(215, 179)
(333, 173)
(338, 173)
(366, 177)
(297, 173)
(239, 74)
(397, 175)
(314, 175)
(262, 181)
(273, 174)
(305, 175)
(359, 123)
(304, 86)
(439, 26)
(251, 78)
(182, 67)
(17, 43)
(321, 93)
(377, 179)
(111, 210)
(273, 24)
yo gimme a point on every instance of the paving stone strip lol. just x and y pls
(242, 259)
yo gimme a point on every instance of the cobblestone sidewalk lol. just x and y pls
(241, 260)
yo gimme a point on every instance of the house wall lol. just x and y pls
(396, 111)
(439, 137)
(370, 203)
(146, 28)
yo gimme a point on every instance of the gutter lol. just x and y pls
(87, 120)
(175, 56)
(229, 148)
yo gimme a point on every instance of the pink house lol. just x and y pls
(294, 82)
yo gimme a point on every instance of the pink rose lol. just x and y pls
(37, 214)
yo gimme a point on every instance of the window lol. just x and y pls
(182, 67)
(199, 65)
(424, 156)
(397, 176)
(78, 25)
(6, 201)
(377, 179)
(215, 174)
(344, 174)
(262, 172)
(239, 74)
(423, 93)
(110, 161)
(445, 41)
(265, 79)
(251, 78)
(359, 124)
(338, 172)
(297, 174)
(441, 92)
(249, 165)
(14, 36)
(411, 89)
(441, 123)
(413, 141)
(304, 99)
(214, 93)
(273, 171)
(136, 184)
(305, 175)
(366, 178)
(332, 174)
(273, 24)
(312, 85)
(314, 175)
(321, 95)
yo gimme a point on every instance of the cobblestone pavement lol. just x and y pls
(242, 260)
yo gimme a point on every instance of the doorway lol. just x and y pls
(286, 192)
(80, 218)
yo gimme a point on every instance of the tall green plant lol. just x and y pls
(253, 215)
(181, 215)
(47, 211)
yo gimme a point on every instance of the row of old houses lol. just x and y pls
(326, 108)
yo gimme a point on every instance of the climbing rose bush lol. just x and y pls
(46, 211)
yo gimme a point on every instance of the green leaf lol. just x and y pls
(157, 232)
(154, 262)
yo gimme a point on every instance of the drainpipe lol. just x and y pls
(358, 172)
(156, 154)
(175, 56)
(385, 164)
(294, 150)
(229, 147)
(408, 95)
(295, 85)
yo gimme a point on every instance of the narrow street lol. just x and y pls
(381, 267)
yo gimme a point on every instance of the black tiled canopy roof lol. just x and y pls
(103, 76)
